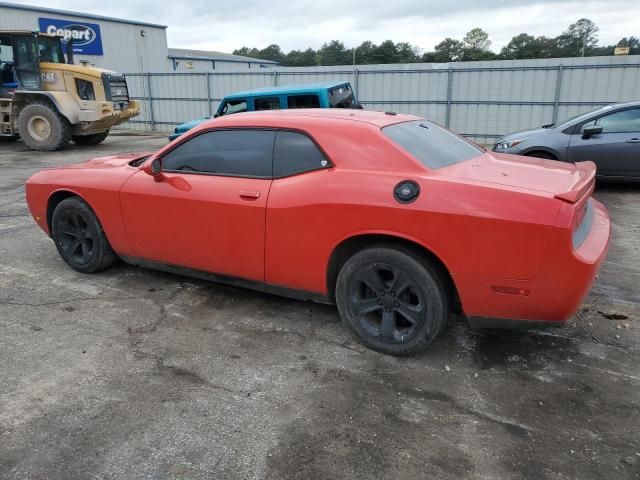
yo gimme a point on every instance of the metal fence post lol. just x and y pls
(150, 98)
(356, 76)
(275, 78)
(209, 108)
(447, 118)
(556, 101)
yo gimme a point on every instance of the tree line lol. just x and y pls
(580, 39)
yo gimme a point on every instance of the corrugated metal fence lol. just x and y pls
(482, 100)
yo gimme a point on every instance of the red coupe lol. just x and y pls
(392, 217)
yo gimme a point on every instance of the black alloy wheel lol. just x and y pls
(386, 302)
(79, 237)
(75, 237)
(393, 299)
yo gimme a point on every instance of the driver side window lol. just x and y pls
(238, 153)
(234, 106)
(622, 121)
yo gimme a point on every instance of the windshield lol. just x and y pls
(341, 97)
(584, 116)
(433, 145)
(50, 50)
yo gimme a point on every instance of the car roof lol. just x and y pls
(635, 103)
(276, 118)
(292, 89)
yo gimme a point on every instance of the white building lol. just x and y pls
(126, 46)
(184, 60)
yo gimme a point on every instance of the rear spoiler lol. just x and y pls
(585, 174)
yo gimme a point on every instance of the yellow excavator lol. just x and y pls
(48, 101)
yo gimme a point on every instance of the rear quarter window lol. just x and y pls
(434, 146)
(303, 101)
(296, 153)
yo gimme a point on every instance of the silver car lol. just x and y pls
(609, 136)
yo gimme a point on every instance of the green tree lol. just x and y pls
(272, 52)
(528, 46)
(579, 39)
(476, 45)
(407, 53)
(386, 52)
(477, 39)
(334, 53)
(448, 50)
(247, 52)
(301, 58)
(365, 53)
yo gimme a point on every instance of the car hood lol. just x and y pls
(110, 161)
(559, 179)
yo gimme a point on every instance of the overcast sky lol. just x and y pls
(298, 24)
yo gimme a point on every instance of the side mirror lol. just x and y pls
(154, 168)
(591, 130)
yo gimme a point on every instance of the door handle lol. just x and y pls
(633, 140)
(248, 194)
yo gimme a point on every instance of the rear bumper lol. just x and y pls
(554, 294)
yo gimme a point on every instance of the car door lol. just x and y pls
(615, 151)
(300, 171)
(208, 210)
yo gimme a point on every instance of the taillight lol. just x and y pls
(581, 212)
(582, 223)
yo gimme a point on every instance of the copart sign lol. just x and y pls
(85, 37)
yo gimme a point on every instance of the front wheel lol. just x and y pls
(393, 299)
(43, 128)
(79, 237)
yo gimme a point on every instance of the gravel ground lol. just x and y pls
(132, 374)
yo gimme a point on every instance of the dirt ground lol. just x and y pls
(132, 374)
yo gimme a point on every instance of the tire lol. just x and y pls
(80, 238)
(93, 139)
(540, 154)
(412, 286)
(43, 128)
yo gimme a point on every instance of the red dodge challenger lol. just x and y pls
(392, 217)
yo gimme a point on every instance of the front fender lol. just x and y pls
(63, 101)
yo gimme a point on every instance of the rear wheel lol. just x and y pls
(540, 154)
(92, 139)
(79, 237)
(394, 300)
(43, 128)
